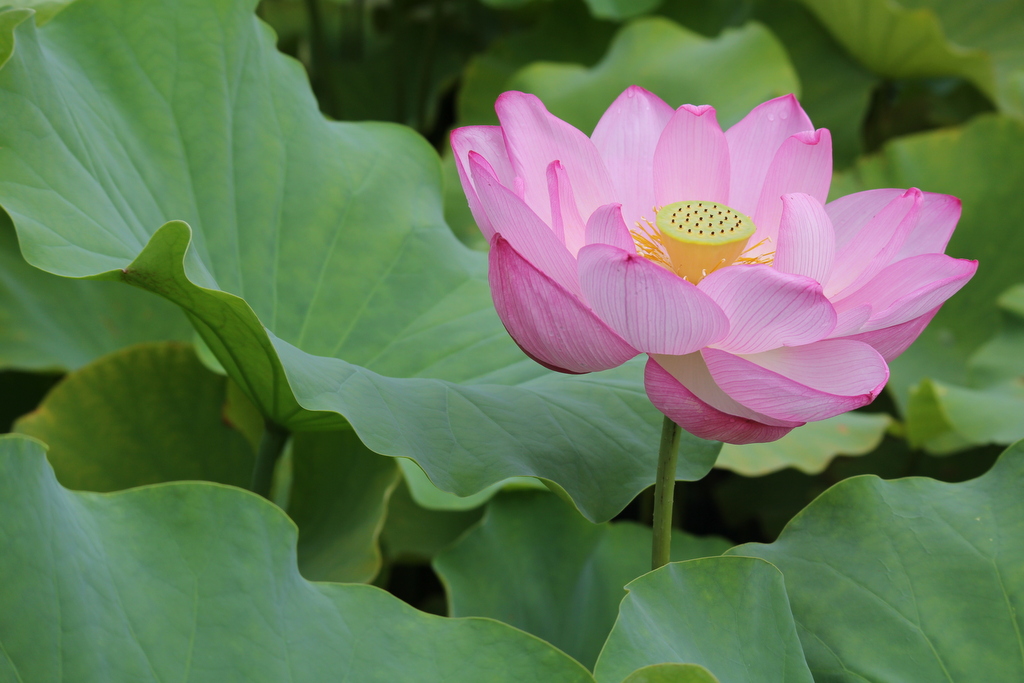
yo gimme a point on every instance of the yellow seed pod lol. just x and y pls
(701, 237)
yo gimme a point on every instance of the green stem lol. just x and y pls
(271, 447)
(664, 490)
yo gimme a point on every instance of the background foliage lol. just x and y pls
(274, 181)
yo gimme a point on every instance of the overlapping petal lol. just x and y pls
(607, 227)
(489, 143)
(551, 325)
(534, 138)
(651, 308)
(806, 244)
(691, 160)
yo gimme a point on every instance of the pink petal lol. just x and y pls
(653, 309)
(691, 160)
(802, 383)
(802, 164)
(768, 309)
(488, 142)
(672, 397)
(534, 138)
(806, 244)
(890, 342)
(565, 218)
(607, 227)
(626, 137)
(939, 216)
(874, 246)
(753, 143)
(850, 213)
(851, 320)
(551, 325)
(910, 288)
(528, 234)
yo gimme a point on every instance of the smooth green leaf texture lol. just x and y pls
(339, 498)
(415, 534)
(910, 38)
(982, 163)
(727, 614)
(671, 673)
(734, 72)
(617, 10)
(909, 580)
(143, 415)
(52, 323)
(809, 448)
(311, 256)
(153, 584)
(535, 563)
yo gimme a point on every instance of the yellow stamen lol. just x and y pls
(698, 237)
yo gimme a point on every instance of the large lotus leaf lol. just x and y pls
(909, 580)
(727, 614)
(735, 72)
(982, 163)
(52, 323)
(152, 413)
(535, 563)
(197, 581)
(909, 38)
(671, 673)
(143, 415)
(314, 262)
(339, 498)
(809, 448)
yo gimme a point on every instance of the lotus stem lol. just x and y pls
(664, 491)
(271, 446)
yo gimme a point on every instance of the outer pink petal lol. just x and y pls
(753, 143)
(653, 309)
(525, 231)
(607, 227)
(802, 383)
(691, 160)
(534, 138)
(626, 137)
(551, 325)
(768, 309)
(802, 164)
(488, 142)
(697, 416)
(890, 342)
(939, 216)
(874, 245)
(910, 288)
(806, 244)
(851, 320)
(565, 217)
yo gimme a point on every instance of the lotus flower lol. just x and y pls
(760, 307)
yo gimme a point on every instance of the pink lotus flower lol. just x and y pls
(760, 307)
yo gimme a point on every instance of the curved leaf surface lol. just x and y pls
(727, 614)
(310, 256)
(735, 72)
(151, 585)
(52, 323)
(671, 673)
(535, 563)
(912, 579)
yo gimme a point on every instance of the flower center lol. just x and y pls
(694, 238)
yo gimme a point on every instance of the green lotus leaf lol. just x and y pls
(52, 323)
(735, 72)
(311, 256)
(415, 534)
(912, 579)
(982, 163)
(535, 563)
(143, 415)
(809, 448)
(671, 673)
(727, 614)
(912, 38)
(198, 581)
